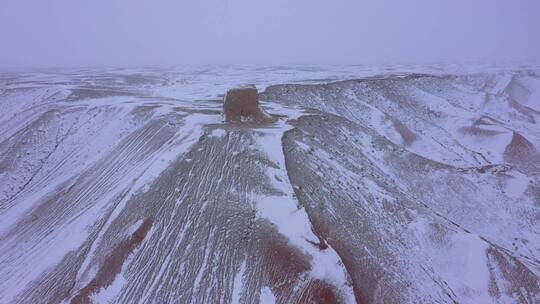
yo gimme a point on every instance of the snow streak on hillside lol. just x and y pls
(126, 186)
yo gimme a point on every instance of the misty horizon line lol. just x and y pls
(494, 63)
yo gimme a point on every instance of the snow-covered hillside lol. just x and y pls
(374, 185)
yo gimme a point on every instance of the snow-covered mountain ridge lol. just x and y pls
(396, 185)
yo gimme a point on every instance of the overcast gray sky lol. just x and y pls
(157, 32)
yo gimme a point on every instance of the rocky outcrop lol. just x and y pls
(523, 154)
(242, 104)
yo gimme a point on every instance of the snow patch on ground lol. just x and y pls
(218, 133)
(291, 220)
(109, 294)
(238, 285)
(267, 296)
(517, 184)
